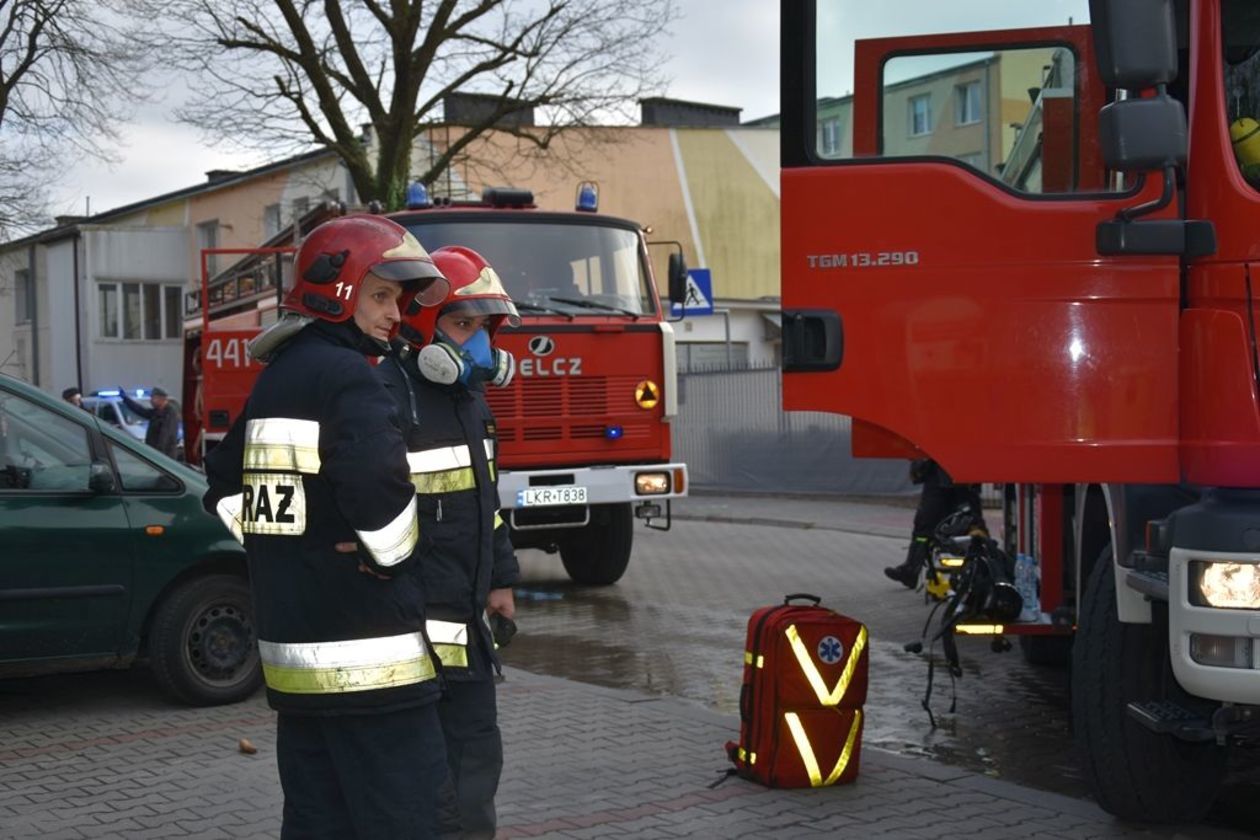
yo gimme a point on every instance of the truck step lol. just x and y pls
(1167, 718)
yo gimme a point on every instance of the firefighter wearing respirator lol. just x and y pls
(444, 357)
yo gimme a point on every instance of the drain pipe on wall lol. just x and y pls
(33, 303)
(78, 329)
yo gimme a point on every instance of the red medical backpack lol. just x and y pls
(805, 675)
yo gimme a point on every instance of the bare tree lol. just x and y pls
(283, 75)
(69, 72)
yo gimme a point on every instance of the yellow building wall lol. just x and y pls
(643, 177)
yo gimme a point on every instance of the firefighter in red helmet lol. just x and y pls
(313, 477)
(444, 359)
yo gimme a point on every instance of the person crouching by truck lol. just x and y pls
(314, 473)
(445, 358)
(939, 498)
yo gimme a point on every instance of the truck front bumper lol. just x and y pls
(605, 485)
(1215, 651)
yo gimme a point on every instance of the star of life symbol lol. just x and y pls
(830, 650)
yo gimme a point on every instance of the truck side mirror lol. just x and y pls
(1143, 135)
(1135, 42)
(677, 278)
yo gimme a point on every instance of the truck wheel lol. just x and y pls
(597, 555)
(1134, 773)
(202, 645)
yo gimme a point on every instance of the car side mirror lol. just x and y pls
(101, 478)
(677, 278)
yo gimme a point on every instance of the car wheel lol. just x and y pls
(202, 646)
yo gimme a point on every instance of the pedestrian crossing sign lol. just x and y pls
(699, 298)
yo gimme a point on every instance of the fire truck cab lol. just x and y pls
(1026, 251)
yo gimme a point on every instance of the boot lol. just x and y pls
(907, 574)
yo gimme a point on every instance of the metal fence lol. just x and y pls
(733, 434)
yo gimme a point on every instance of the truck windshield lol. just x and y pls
(572, 269)
(1009, 110)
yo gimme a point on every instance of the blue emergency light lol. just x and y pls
(111, 392)
(613, 432)
(587, 197)
(417, 197)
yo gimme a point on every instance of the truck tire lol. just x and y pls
(1134, 773)
(202, 645)
(597, 554)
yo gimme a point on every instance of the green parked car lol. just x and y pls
(107, 558)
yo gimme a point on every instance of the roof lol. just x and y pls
(72, 229)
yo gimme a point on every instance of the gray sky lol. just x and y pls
(724, 52)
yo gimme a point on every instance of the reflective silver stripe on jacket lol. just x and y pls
(393, 543)
(229, 510)
(439, 459)
(343, 666)
(450, 642)
(444, 458)
(446, 632)
(282, 443)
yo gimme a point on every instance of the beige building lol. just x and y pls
(99, 302)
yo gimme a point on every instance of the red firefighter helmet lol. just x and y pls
(475, 289)
(333, 260)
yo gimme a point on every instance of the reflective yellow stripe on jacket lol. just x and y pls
(345, 666)
(446, 469)
(450, 641)
(282, 443)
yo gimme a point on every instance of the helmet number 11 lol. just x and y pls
(343, 290)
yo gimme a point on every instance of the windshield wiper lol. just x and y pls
(533, 307)
(590, 304)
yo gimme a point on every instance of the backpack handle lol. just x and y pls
(802, 596)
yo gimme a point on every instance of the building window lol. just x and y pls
(173, 312)
(140, 311)
(271, 220)
(301, 206)
(829, 141)
(967, 103)
(23, 296)
(208, 237)
(920, 115)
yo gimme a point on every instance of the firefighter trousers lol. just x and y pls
(474, 757)
(361, 776)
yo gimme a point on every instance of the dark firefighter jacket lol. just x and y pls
(451, 449)
(315, 459)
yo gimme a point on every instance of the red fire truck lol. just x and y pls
(584, 427)
(1034, 264)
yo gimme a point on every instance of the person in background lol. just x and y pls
(313, 476)
(73, 396)
(436, 379)
(163, 431)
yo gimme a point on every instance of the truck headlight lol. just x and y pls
(1233, 586)
(651, 483)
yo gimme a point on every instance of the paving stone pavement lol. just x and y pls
(100, 756)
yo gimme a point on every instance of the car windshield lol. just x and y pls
(572, 269)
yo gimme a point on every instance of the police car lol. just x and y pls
(108, 405)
